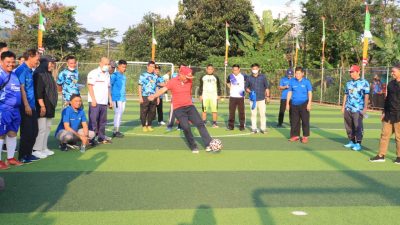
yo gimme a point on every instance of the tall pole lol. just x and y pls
(40, 29)
(322, 57)
(367, 36)
(227, 44)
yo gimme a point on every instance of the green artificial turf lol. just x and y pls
(153, 178)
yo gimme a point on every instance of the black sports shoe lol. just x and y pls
(63, 147)
(397, 161)
(377, 158)
(118, 135)
(279, 126)
(241, 128)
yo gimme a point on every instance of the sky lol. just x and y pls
(120, 14)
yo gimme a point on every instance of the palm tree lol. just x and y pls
(268, 33)
(108, 33)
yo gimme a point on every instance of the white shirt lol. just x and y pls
(100, 82)
(237, 88)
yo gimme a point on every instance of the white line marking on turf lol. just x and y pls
(299, 213)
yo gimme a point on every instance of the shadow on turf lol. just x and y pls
(368, 184)
(204, 215)
(32, 194)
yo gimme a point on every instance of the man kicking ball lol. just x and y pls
(184, 110)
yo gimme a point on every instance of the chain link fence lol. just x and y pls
(332, 90)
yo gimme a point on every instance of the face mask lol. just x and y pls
(104, 68)
(254, 71)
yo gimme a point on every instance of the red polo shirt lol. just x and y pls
(181, 92)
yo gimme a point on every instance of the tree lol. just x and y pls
(197, 32)
(344, 28)
(7, 5)
(265, 43)
(62, 30)
(107, 34)
(388, 51)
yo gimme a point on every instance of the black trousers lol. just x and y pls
(353, 122)
(28, 133)
(282, 110)
(189, 113)
(233, 104)
(299, 116)
(147, 111)
(160, 111)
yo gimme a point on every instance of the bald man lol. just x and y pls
(99, 98)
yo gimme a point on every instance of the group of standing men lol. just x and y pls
(28, 100)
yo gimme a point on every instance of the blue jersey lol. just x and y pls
(377, 87)
(68, 80)
(25, 76)
(160, 80)
(118, 87)
(10, 95)
(148, 81)
(73, 117)
(299, 90)
(355, 91)
(284, 82)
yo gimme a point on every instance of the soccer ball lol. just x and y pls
(216, 145)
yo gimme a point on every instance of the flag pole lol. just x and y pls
(297, 52)
(227, 44)
(323, 57)
(367, 35)
(40, 29)
(153, 43)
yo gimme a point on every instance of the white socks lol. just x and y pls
(11, 143)
(1, 146)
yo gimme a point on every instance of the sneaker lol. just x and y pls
(304, 140)
(33, 158)
(349, 145)
(169, 129)
(145, 129)
(178, 128)
(101, 141)
(254, 131)
(208, 149)
(205, 122)
(229, 129)
(107, 138)
(294, 139)
(118, 134)
(241, 128)
(195, 151)
(39, 154)
(93, 142)
(25, 160)
(13, 162)
(3, 166)
(279, 126)
(377, 158)
(150, 129)
(48, 152)
(397, 160)
(83, 148)
(162, 123)
(63, 147)
(263, 131)
(356, 147)
(215, 125)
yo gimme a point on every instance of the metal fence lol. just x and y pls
(332, 85)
